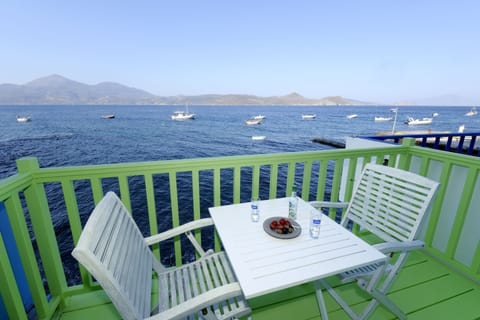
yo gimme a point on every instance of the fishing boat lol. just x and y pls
(259, 117)
(253, 121)
(23, 118)
(472, 112)
(182, 115)
(413, 122)
(258, 138)
(308, 116)
(351, 116)
(108, 116)
(383, 119)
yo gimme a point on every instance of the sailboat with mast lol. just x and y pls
(183, 115)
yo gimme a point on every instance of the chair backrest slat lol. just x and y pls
(113, 250)
(390, 202)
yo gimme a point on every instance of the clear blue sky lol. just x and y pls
(371, 50)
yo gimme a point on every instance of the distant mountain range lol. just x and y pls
(58, 90)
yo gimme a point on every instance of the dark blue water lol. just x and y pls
(77, 135)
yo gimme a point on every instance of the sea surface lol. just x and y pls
(77, 135)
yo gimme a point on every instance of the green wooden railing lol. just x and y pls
(48, 206)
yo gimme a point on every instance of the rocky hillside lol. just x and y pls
(58, 90)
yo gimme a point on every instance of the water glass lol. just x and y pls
(315, 220)
(255, 209)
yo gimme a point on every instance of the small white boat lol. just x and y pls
(253, 121)
(308, 116)
(259, 117)
(472, 112)
(108, 116)
(435, 114)
(24, 118)
(351, 116)
(412, 122)
(257, 138)
(183, 115)
(383, 119)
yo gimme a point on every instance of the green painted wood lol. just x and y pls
(273, 181)
(196, 202)
(437, 205)
(461, 213)
(39, 211)
(8, 290)
(322, 178)
(306, 179)
(152, 211)
(177, 245)
(74, 220)
(335, 192)
(125, 192)
(236, 184)
(463, 306)
(26, 252)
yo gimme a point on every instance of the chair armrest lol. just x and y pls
(328, 204)
(184, 228)
(394, 246)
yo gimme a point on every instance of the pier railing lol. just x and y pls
(466, 143)
(47, 207)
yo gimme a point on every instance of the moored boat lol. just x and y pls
(351, 116)
(472, 112)
(383, 119)
(257, 138)
(259, 117)
(253, 121)
(412, 122)
(183, 115)
(23, 118)
(308, 116)
(108, 116)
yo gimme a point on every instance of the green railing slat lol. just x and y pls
(273, 181)
(26, 253)
(175, 215)
(125, 192)
(322, 178)
(306, 179)
(9, 291)
(435, 213)
(40, 216)
(461, 213)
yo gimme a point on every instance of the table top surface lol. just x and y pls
(264, 264)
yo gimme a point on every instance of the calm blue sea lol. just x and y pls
(77, 135)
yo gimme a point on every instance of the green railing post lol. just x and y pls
(406, 158)
(39, 211)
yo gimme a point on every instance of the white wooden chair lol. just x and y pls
(113, 250)
(391, 204)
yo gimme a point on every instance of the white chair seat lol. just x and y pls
(191, 280)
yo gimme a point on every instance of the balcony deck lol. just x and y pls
(425, 289)
(43, 207)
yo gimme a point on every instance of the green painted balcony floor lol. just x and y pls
(425, 289)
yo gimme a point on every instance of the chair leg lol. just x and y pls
(321, 301)
(381, 298)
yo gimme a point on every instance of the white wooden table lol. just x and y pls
(264, 264)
